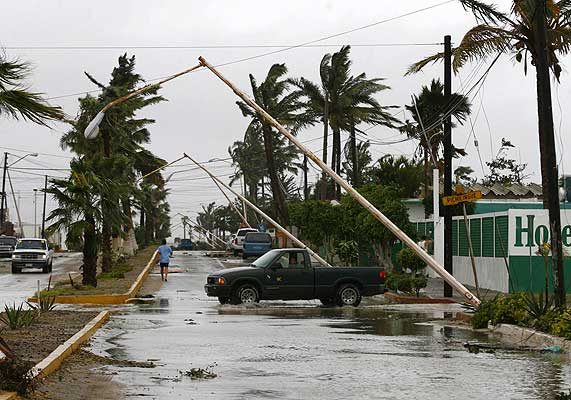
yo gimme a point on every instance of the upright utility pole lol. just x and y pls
(448, 163)
(35, 213)
(3, 201)
(44, 210)
(305, 192)
(547, 150)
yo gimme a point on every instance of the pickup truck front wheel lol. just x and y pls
(348, 295)
(246, 294)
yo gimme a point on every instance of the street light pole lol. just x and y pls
(44, 210)
(2, 212)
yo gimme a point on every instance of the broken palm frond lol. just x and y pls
(200, 373)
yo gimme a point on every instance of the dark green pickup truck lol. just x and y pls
(287, 274)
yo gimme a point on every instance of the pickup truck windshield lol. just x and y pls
(7, 241)
(266, 259)
(31, 245)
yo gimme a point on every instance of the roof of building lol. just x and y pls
(531, 190)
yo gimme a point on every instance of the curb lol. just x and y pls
(106, 299)
(8, 396)
(531, 337)
(417, 300)
(53, 361)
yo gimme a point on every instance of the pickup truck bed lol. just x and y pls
(287, 274)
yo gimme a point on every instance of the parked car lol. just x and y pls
(287, 274)
(32, 253)
(185, 244)
(7, 245)
(239, 239)
(256, 244)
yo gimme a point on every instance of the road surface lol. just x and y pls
(15, 288)
(300, 350)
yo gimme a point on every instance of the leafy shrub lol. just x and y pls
(561, 325)
(406, 283)
(502, 309)
(16, 317)
(537, 307)
(118, 272)
(417, 283)
(408, 260)
(399, 282)
(348, 251)
(46, 304)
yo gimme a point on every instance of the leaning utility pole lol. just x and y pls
(547, 149)
(2, 209)
(448, 163)
(263, 214)
(350, 190)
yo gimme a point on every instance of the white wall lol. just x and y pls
(492, 273)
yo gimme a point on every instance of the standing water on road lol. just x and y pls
(299, 350)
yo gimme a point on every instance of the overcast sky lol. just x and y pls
(201, 117)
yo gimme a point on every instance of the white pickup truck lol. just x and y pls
(32, 253)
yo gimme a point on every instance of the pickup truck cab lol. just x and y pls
(287, 274)
(256, 244)
(238, 241)
(32, 253)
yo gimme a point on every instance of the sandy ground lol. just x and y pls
(40, 339)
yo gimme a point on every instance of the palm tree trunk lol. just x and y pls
(549, 173)
(89, 253)
(355, 177)
(325, 139)
(107, 243)
(337, 146)
(279, 201)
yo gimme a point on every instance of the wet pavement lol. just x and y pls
(18, 287)
(300, 350)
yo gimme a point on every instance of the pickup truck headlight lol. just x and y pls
(44, 256)
(14, 256)
(220, 281)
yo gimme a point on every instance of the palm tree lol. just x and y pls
(532, 31)
(342, 102)
(357, 172)
(16, 101)
(79, 212)
(121, 141)
(273, 96)
(428, 124)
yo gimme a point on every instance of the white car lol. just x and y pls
(238, 241)
(32, 253)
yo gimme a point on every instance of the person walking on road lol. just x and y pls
(165, 253)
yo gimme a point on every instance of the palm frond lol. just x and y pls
(481, 42)
(487, 13)
(419, 65)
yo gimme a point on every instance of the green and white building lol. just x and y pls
(505, 239)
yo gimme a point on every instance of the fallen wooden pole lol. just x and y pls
(263, 214)
(431, 262)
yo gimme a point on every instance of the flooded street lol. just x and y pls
(300, 350)
(15, 288)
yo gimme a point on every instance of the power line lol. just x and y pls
(281, 50)
(222, 47)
